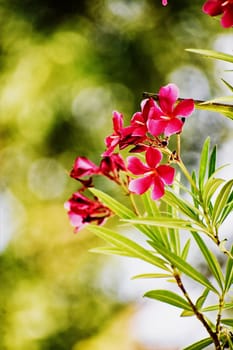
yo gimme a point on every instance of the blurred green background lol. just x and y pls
(64, 67)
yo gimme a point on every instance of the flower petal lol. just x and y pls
(184, 108)
(156, 127)
(117, 119)
(212, 7)
(173, 127)
(136, 166)
(167, 173)
(140, 185)
(153, 157)
(167, 97)
(158, 189)
(227, 18)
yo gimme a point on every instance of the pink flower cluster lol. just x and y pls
(148, 132)
(220, 7)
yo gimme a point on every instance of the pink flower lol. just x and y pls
(155, 175)
(218, 7)
(83, 167)
(164, 2)
(110, 166)
(164, 116)
(82, 211)
(139, 120)
(121, 136)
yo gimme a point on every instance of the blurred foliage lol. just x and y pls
(64, 67)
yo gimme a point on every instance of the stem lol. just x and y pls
(218, 320)
(131, 196)
(186, 173)
(199, 315)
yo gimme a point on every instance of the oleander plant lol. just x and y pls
(163, 199)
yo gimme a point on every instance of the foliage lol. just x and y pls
(163, 208)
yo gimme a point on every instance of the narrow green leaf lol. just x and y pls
(226, 306)
(152, 275)
(228, 208)
(212, 161)
(229, 272)
(186, 313)
(201, 300)
(230, 87)
(127, 245)
(195, 194)
(221, 201)
(185, 267)
(110, 251)
(152, 209)
(182, 205)
(227, 321)
(211, 260)
(213, 54)
(203, 163)
(166, 221)
(168, 297)
(119, 209)
(199, 345)
(185, 250)
(210, 189)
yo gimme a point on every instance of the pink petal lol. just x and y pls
(140, 185)
(136, 166)
(227, 18)
(155, 112)
(153, 157)
(146, 105)
(167, 173)
(158, 188)
(173, 127)
(117, 119)
(184, 108)
(156, 127)
(212, 7)
(167, 97)
(164, 2)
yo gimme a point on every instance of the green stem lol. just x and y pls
(187, 174)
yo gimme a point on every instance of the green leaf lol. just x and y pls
(184, 267)
(110, 251)
(221, 201)
(153, 275)
(229, 272)
(195, 194)
(227, 321)
(210, 189)
(203, 163)
(201, 300)
(169, 297)
(127, 246)
(213, 54)
(182, 205)
(166, 221)
(212, 161)
(228, 208)
(185, 250)
(211, 260)
(226, 306)
(199, 345)
(228, 85)
(119, 209)
(152, 209)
